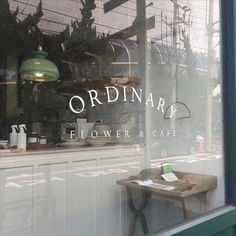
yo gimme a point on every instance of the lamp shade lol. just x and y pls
(39, 68)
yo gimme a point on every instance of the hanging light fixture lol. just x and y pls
(39, 68)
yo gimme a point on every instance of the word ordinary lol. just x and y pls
(113, 94)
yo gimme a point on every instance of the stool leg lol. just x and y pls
(132, 226)
(185, 208)
(138, 212)
(207, 201)
(144, 223)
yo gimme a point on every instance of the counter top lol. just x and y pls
(69, 155)
(14, 152)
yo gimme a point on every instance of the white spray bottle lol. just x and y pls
(13, 136)
(21, 137)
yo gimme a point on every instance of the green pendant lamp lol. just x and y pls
(39, 68)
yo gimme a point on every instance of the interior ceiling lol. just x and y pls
(57, 16)
(59, 13)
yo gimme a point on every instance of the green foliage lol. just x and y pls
(5, 12)
(17, 36)
(83, 31)
(52, 44)
(46, 99)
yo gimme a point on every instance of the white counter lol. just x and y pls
(63, 192)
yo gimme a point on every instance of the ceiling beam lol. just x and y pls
(110, 5)
(133, 30)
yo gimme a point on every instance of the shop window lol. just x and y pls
(122, 103)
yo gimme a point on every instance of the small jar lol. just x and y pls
(33, 138)
(43, 140)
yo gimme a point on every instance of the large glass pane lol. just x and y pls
(123, 108)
